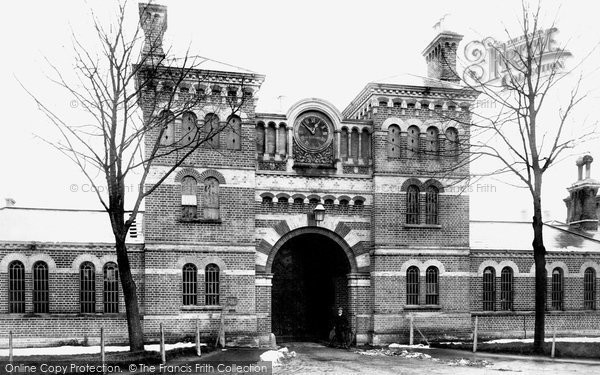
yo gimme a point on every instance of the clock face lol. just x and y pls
(313, 131)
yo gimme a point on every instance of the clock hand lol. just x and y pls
(312, 131)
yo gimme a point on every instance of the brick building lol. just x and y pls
(283, 217)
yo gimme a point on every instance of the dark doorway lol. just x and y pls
(309, 283)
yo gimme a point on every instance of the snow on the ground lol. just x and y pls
(276, 357)
(95, 349)
(418, 346)
(548, 339)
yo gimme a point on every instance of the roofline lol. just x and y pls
(60, 209)
(572, 232)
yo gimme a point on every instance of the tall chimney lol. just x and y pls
(440, 54)
(153, 20)
(581, 204)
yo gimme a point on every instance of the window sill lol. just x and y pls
(201, 308)
(423, 226)
(422, 307)
(200, 220)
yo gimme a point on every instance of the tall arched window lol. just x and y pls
(110, 294)
(211, 285)
(432, 141)
(234, 133)
(16, 288)
(557, 289)
(189, 200)
(87, 288)
(489, 289)
(393, 141)
(189, 128)
(211, 199)
(431, 286)
(412, 141)
(589, 289)
(412, 205)
(260, 138)
(281, 139)
(344, 144)
(365, 144)
(506, 289)
(190, 285)
(432, 205)
(354, 145)
(211, 131)
(167, 122)
(40, 295)
(270, 146)
(452, 142)
(412, 286)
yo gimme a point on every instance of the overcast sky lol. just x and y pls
(325, 49)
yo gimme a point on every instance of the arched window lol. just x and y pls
(110, 295)
(359, 203)
(393, 141)
(344, 144)
(211, 131)
(412, 205)
(298, 201)
(234, 133)
(189, 128)
(506, 289)
(344, 203)
(489, 289)
(211, 198)
(189, 200)
(167, 122)
(283, 200)
(329, 203)
(267, 200)
(16, 288)
(87, 288)
(412, 286)
(412, 141)
(190, 285)
(260, 138)
(313, 202)
(270, 146)
(432, 205)
(557, 289)
(432, 141)
(365, 144)
(40, 297)
(354, 145)
(589, 289)
(281, 140)
(211, 285)
(431, 286)
(451, 142)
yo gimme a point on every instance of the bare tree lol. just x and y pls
(132, 93)
(524, 131)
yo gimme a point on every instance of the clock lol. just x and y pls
(313, 131)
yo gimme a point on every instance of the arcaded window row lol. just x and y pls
(432, 141)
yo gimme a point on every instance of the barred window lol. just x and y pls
(87, 288)
(412, 205)
(431, 286)
(489, 289)
(16, 288)
(432, 205)
(412, 286)
(40, 288)
(110, 294)
(589, 289)
(393, 141)
(211, 285)
(506, 289)
(557, 290)
(190, 284)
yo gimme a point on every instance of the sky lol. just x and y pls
(324, 49)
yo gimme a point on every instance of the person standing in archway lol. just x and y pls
(340, 330)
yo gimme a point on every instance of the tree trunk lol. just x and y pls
(539, 256)
(134, 324)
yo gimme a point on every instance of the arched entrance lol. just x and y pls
(310, 271)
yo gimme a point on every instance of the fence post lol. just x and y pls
(198, 350)
(411, 337)
(553, 342)
(475, 337)
(163, 355)
(10, 347)
(102, 352)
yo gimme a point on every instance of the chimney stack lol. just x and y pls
(10, 202)
(582, 212)
(440, 54)
(153, 20)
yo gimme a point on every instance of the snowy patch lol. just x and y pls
(276, 357)
(95, 349)
(548, 339)
(418, 346)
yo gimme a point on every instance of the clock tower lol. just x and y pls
(313, 141)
